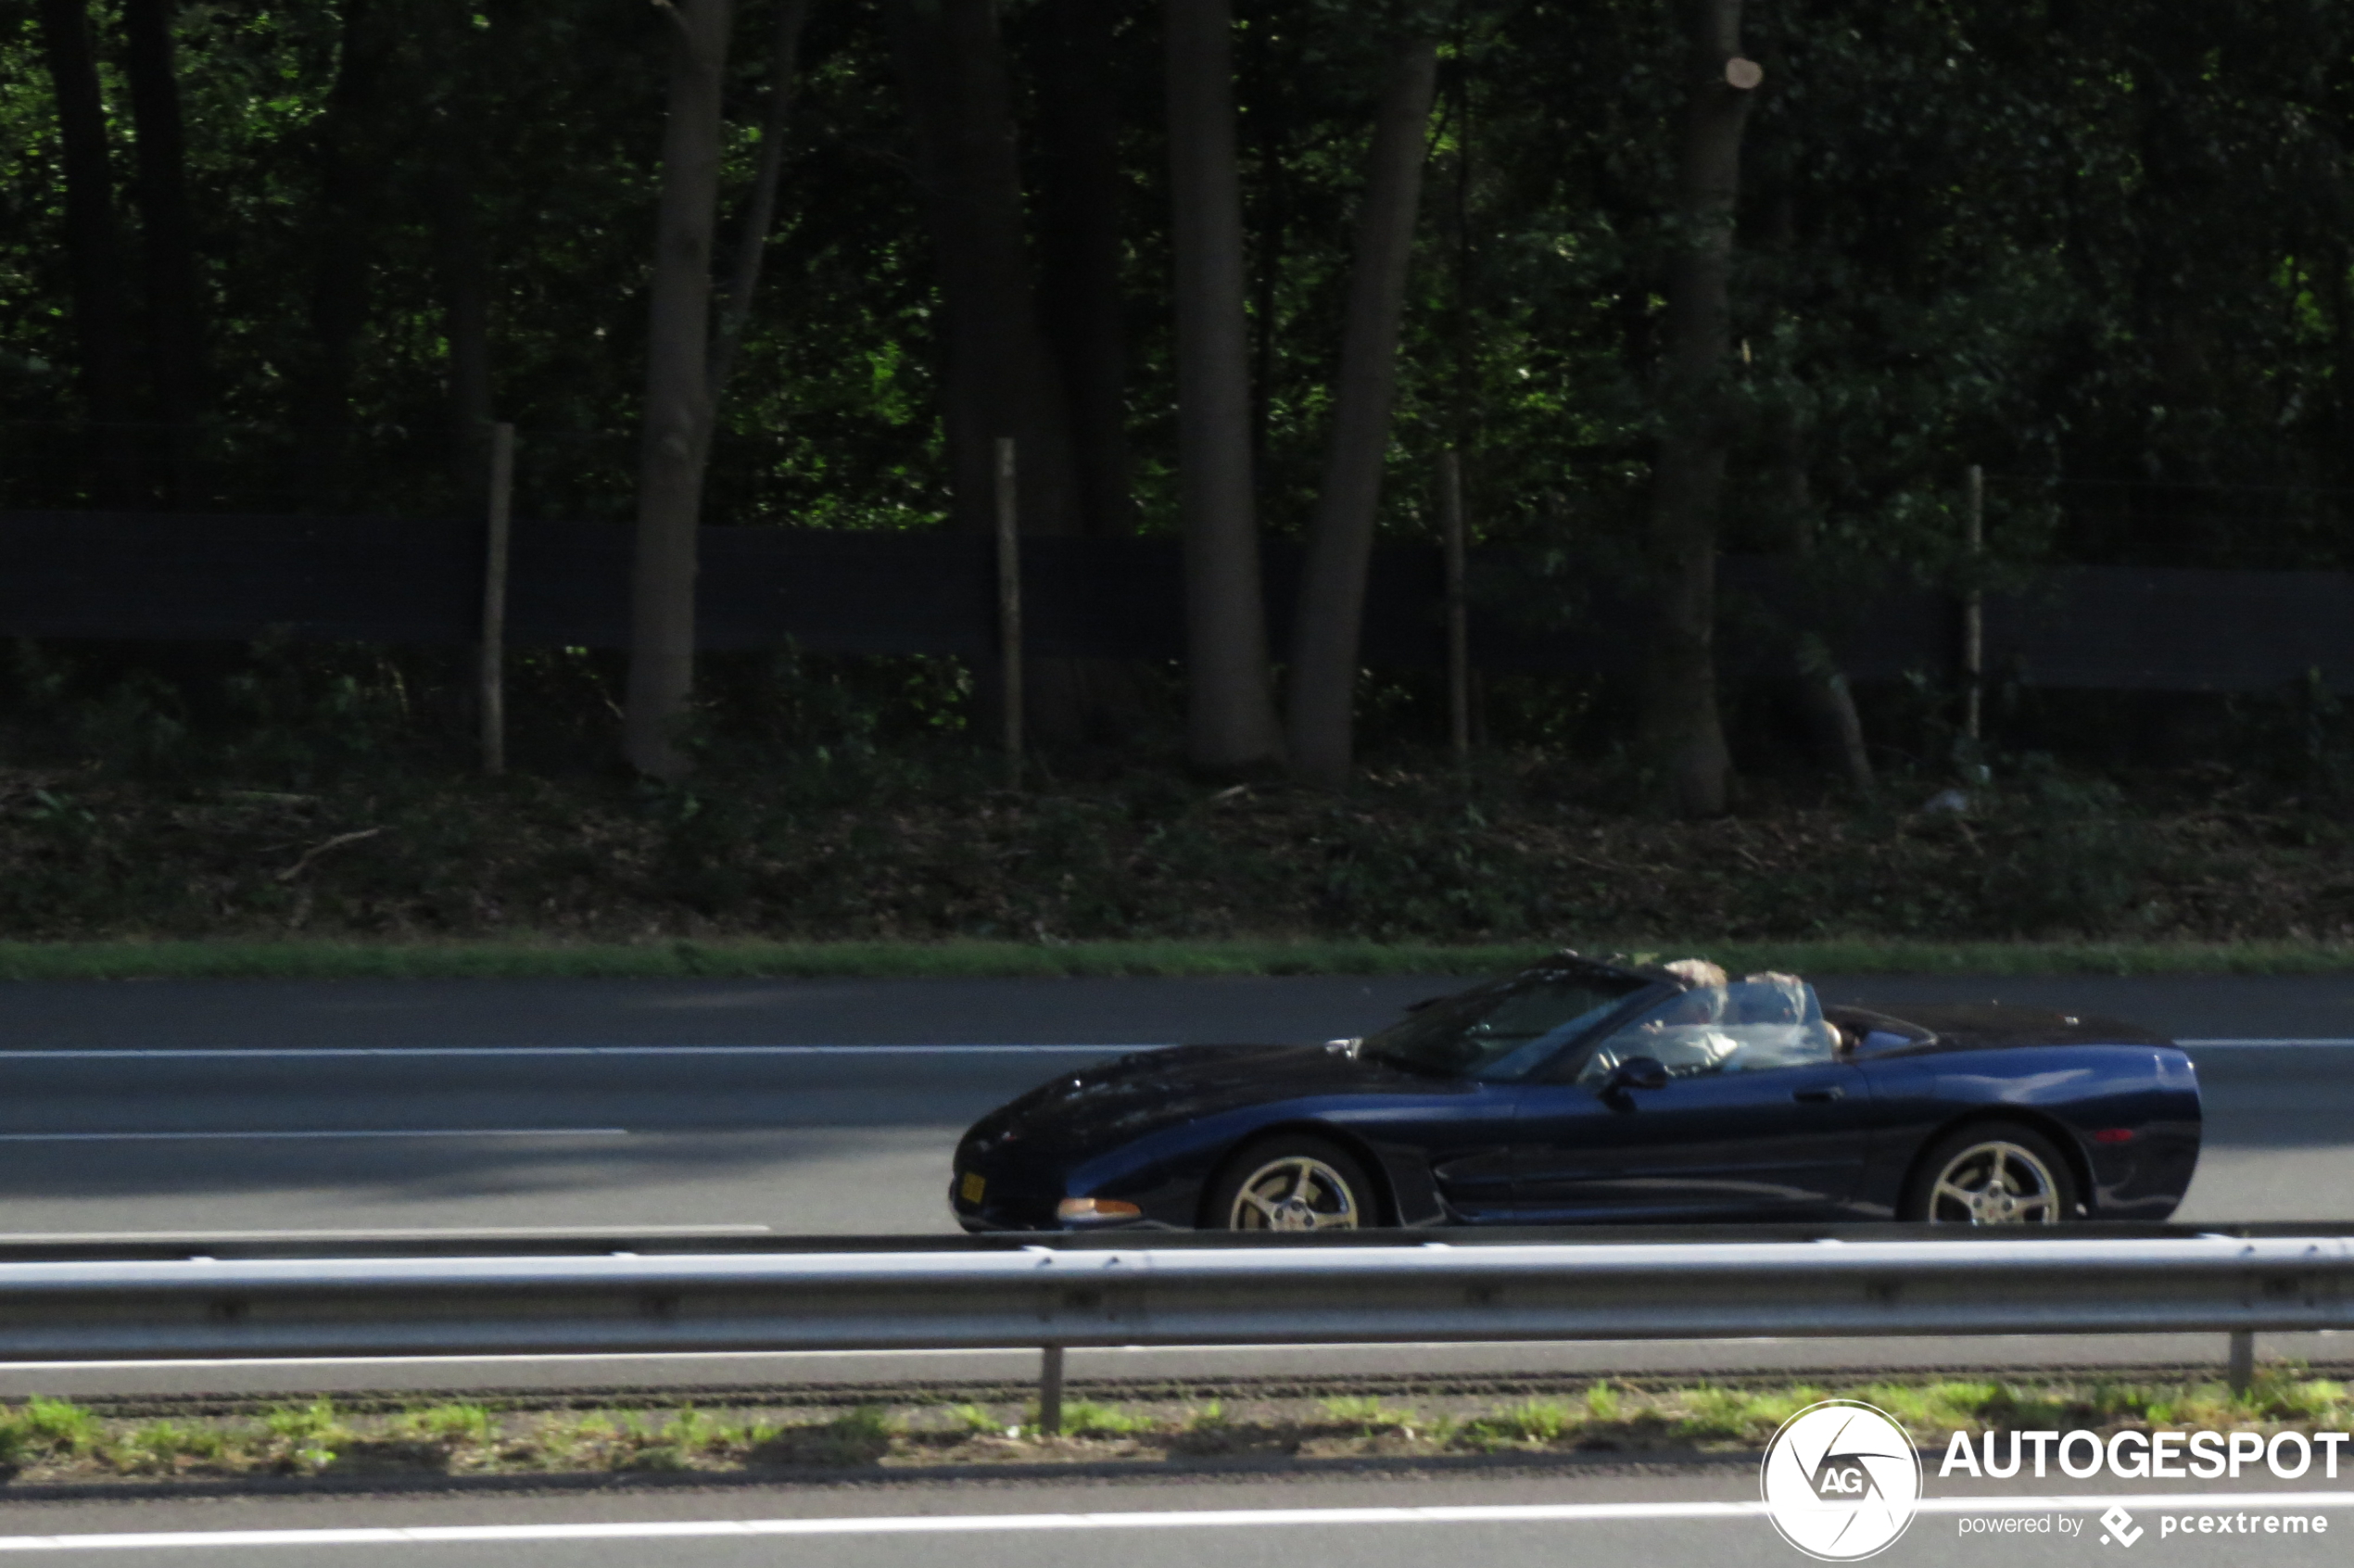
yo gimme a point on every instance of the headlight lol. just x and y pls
(1096, 1209)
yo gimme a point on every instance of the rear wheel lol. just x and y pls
(1292, 1183)
(1994, 1174)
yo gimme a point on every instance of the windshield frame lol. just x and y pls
(1642, 993)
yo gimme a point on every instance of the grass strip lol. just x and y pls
(53, 1440)
(237, 959)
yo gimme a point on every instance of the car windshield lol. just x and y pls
(1501, 1032)
(1755, 1024)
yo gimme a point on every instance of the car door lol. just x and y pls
(1730, 1130)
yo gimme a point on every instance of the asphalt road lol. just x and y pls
(831, 1107)
(806, 1106)
(1694, 1516)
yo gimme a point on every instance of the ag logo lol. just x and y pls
(1840, 1480)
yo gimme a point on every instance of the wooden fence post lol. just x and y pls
(494, 601)
(1974, 604)
(1450, 509)
(1009, 608)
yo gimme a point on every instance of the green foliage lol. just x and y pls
(2097, 250)
(68, 1442)
(2098, 244)
(1368, 1412)
(1530, 1421)
(161, 1445)
(1746, 1415)
(1085, 1418)
(53, 1428)
(859, 1436)
(978, 1420)
(457, 1425)
(304, 1438)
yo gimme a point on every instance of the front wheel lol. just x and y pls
(1996, 1173)
(1291, 1183)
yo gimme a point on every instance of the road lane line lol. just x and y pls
(2296, 1040)
(280, 1053)
(356, 1132)
(410, 1233)
(211, 1053)
(1255, 1518)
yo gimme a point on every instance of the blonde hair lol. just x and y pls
(1699, 971)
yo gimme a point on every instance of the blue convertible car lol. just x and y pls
(1585, 1092)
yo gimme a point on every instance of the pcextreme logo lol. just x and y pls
(1841, 1481)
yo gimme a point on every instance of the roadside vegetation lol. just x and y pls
(223, 857)
(54, 1441)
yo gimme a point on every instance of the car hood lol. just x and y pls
(1117, 1100)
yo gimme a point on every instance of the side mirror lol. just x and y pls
(1636, 1072)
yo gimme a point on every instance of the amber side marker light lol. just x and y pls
(2114, 1135)
(1096, 1209)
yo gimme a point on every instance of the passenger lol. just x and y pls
(1767, 1020)
(1779, 1021)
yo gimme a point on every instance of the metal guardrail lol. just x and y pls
(116, 1246)
(994, 1297)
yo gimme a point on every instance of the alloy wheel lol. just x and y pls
(1295, 1193)
(1996, 1183)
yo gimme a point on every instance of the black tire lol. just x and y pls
(1337, 1194)
(1993, 1173)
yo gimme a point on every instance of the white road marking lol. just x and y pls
(2208, 1044)
(1254, 1518)
(218, 1053)
(280, 1053)
(354, 1132)
(415, 1233)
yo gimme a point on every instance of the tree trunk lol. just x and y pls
(1340, 539)
(1825, 702)
(2339, 264)
(94, 245)
(678, 418)
(1267, 254)
(1002, 379)
(1826, 706)
(350, 180)
(1682, 736)
(465, 314)
(760, 209)
(1079, 254)
(458, 83)
(175, 306)
(1231, 716)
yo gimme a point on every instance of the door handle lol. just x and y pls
(1819, 1096)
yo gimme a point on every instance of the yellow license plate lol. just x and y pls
(975, 1184)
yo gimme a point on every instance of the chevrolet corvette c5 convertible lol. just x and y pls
(1585, 1092)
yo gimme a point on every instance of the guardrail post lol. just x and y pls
(2242, 1367)
(1050, 1391)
